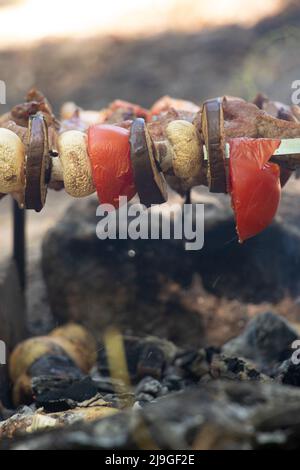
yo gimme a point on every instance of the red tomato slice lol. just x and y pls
(254, 184)
(109, 151)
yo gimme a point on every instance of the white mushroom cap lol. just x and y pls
(12, 158)
(75, 162)
(185, 141)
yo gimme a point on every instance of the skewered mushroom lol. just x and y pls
(76, 167)
(12, 158)
(186, 145)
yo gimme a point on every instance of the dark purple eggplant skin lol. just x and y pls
(148, 179)
(213, 135)
(37, 163)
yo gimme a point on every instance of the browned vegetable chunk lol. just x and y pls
(149, 180)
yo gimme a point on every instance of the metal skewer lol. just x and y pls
(287, 154)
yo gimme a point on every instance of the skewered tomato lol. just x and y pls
(254, 184)
(109, 151)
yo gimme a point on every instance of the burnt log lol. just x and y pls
(219, 416)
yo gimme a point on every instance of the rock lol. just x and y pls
(267, 341)
(144, 357)
(234, 368)
(149, 386)
(119, 282)
(216, 416)
(288, 373)
(139, 286)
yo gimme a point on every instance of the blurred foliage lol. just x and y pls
(272, 65)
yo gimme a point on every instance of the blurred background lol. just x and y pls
(95, 51)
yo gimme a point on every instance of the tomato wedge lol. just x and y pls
(254, 184)
(109, 152)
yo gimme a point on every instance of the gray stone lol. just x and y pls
(119, 282)
(140, 285)
(267, 340)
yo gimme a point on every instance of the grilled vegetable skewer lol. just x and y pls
(214, 145)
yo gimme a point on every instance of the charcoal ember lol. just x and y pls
(119, 400)
(169, 423)
(207, 364)
(267, 341)
(234, 368)
(174, 381)
(288, 373)
(148, 389)
(210, 352)
(59, 394)
(194, 363)
(113, 391)
(106, 385)
(58, 384)
(55, 366)
(143, 398)
(144, 356)
(152, 360)
(216, 416)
